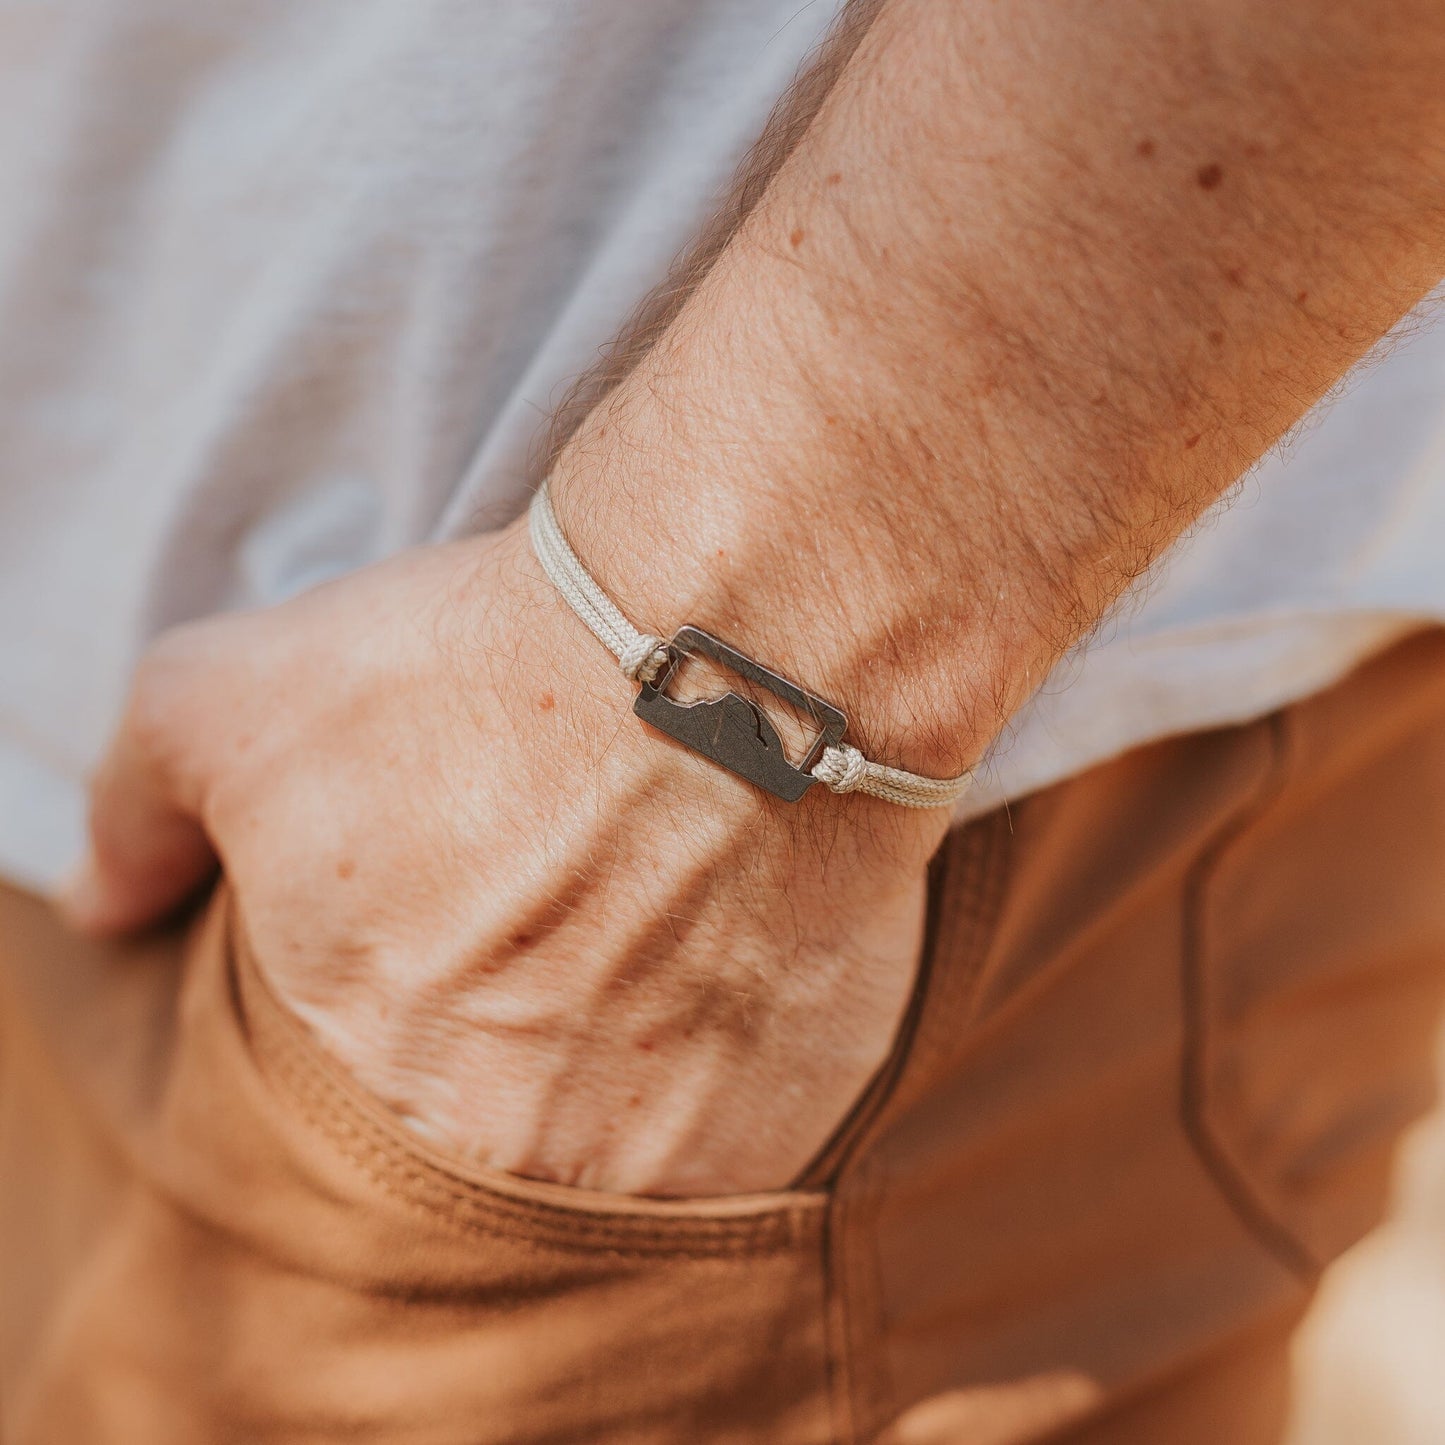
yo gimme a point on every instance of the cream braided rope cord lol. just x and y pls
(642, 656)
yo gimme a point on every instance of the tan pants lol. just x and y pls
(1173, 1016)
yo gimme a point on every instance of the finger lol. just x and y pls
(148, 850)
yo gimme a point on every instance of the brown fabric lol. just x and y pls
(1173, 1016)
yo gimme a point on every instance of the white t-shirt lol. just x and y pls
(288, 285)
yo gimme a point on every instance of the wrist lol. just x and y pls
(798, 580)
(633, 750)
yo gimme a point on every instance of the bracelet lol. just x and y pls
(730, 730)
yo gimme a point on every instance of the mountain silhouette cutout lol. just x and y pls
(730, 730)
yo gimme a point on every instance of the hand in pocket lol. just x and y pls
(551, 941)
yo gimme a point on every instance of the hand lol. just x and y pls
(549, 939)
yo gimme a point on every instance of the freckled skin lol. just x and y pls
(546, 702)
(796, 239)
(1145, 148)
(346, 868)
(1209, 176)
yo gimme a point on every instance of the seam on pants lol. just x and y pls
(972, 889)
(1232, 1181)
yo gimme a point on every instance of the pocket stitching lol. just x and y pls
(1244, 1195)
(333, 1104)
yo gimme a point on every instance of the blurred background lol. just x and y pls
(1371, 1358)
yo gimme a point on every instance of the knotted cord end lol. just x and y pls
(643, 658)
(841, 768)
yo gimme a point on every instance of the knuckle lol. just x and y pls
(164, 689)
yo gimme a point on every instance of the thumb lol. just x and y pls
(148, 851)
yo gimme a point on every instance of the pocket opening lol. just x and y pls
(473, 1196)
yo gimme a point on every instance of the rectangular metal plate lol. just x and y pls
(733, 731)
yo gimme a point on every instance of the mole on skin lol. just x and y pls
(1209, 176)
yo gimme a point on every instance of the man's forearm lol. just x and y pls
(1033, 289)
